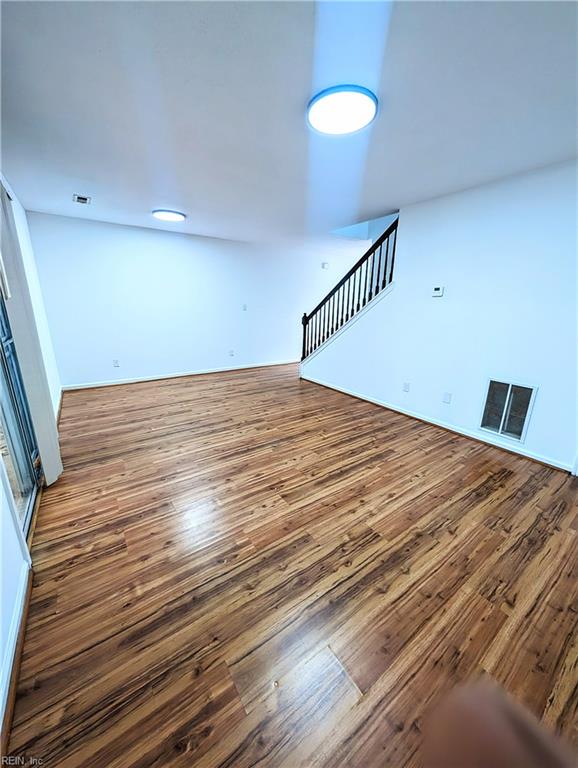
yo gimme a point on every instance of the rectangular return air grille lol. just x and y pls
(507, 409)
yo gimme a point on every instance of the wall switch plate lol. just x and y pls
(406, 386)
(324, 265)
(231, 353)
(244, 307)
(438, 290)
(447, 398)
(115, 364)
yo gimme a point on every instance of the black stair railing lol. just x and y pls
(364, 281)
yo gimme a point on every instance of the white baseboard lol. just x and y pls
(159, 377)
(59, 404)
(484, 438)
(12, 639)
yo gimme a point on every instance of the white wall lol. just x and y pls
(377, 227)
(14, 567)
(163, 303)
(367, 230)
(506, 254)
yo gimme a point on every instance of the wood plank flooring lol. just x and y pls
(247, 569)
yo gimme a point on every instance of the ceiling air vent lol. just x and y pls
(82, 199)
(507, 409)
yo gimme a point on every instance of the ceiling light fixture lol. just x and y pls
(163, 215)
(342, 109)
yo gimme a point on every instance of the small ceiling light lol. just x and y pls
(163, 215)
(342, 109)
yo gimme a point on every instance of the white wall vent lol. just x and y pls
(82, 199)
(507, 409)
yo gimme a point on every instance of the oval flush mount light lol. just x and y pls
(164, 215)
(342, 109)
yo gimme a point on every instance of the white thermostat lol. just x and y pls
(438, 290)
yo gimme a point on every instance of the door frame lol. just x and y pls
(25, 312)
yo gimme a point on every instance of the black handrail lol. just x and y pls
(340, 304)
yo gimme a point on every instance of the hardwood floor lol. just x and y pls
(248, 569)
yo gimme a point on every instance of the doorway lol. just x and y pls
(17, 440)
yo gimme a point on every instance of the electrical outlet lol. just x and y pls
(324, 265)
(437, 291)
(115, 364)
(447, 398)
(406, 386)
(231, 353)
(244, 307)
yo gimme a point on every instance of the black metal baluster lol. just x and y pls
(385, 266)
(352, 302)
(304, 321)
(372, 257)
(368, 290)
(314, 335)
(359, 287)
(393, 256)
(378, 276)
(336, 297)
(336, 294)
(333, 314)
(352, 299)
(312, 338)
(336, 312)
(315, 326)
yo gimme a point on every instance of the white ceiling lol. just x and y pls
(201, 107)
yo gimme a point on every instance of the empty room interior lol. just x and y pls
(289, 384)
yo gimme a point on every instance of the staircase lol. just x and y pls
(364, 281)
